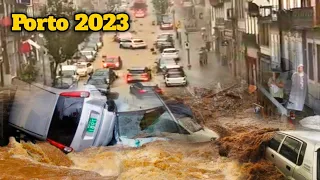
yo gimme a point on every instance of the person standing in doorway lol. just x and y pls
(276, 86)
(298, 91)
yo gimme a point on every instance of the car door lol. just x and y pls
(272, 148)
(289, 151)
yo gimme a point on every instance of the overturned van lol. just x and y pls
(70, 119)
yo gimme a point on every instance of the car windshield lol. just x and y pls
(136, 71)
(101, 73)
(66, 73)
(110, 60)
(166, 20)
(170, 51)
(175, 75)
(138, 41)
(147, 123)
(96, 82)
(81, 66)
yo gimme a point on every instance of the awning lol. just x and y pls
(262, 2)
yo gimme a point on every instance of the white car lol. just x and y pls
(89, 53)
(170, 53)
(175, 79)
(133, 44)
(164, 62)
(84, 68)
(68, 71)
(296, 154)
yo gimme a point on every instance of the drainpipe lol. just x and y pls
(282, 63)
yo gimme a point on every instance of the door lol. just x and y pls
(273, 148)
(289, 151)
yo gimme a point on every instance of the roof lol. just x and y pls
(308, 136)
(168, 49)
(173, 66)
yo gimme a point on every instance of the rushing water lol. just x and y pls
(158, 160)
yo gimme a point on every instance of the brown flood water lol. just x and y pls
(157, 161)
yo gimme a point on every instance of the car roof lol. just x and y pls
(135, 39)
(308, 136)
(168, 49)
(173, 66)
(136, 68)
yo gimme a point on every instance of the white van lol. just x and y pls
(296, 154)
(69, 119)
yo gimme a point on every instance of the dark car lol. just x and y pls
(138, 74)
(113, 62)
(141, 89)
(100, 83)
(106, 73)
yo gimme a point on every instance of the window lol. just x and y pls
(310, 61)
(318, 61)
(275, 142)
(65, 119)
(264, 34)
(302, 152)
(290, 149)
(306, 3)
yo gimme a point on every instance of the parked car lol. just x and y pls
(140, 14)
(84, 68)
(78, 57)
(90, 54)
(171, 53)
(113, 62)
(166, 23)
(92, 44)
(133, 44)
(101, 83)
(96, 37)
(162, 62)
(122, 35)
(68, 71)
(138, 74)
(159, 120)
(143, 89)
(295, 154)
(69, 119)
(175, 79)
(108, 74)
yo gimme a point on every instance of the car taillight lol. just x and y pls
(292, 115)
(83, 94)
(142, 91)
(105, 64)
(144, 74)
(62, 147)
(117, 64)
(159, 90)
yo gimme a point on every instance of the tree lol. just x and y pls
(160, 6)
(61, 45)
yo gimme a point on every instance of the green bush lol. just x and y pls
(29, 73)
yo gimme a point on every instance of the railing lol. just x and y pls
(302, 17)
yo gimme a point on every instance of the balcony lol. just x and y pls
(267, 14)
(298, 18)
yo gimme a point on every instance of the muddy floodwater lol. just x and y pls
(162, 160)
(158, 160)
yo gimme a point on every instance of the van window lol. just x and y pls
(65, 119)
(275, 142)
(302, 152)
(290, 149)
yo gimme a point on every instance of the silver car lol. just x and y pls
(296, 154)
(70, 119)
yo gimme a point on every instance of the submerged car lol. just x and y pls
(69, 119)
(162, 121)
(114, 62)
(138, 74)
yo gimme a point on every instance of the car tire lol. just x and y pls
(131, 48)
(167, 85)
(120, 46)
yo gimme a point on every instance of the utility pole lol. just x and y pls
(234, 19)
(188, 49)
